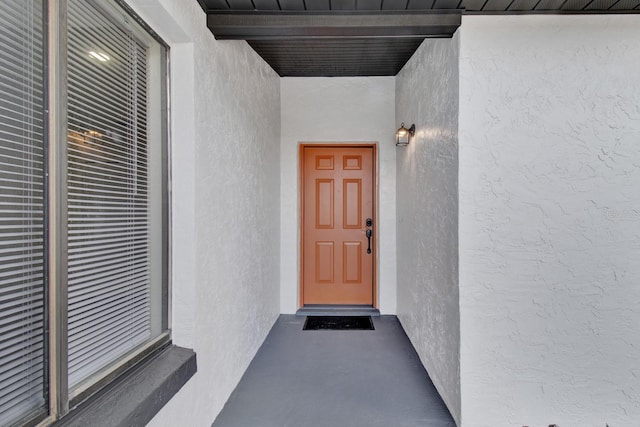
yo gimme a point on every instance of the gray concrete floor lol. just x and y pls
(335, 379)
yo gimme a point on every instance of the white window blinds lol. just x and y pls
(22, 296)
(109, 262)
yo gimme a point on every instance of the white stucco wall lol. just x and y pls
(225, 156)
(550, 220)
(427, 213)
(353, 109)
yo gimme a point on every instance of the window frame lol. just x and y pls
(59, 399)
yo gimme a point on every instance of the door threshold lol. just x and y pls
(337, 310)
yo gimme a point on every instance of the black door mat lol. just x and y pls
(339, 323)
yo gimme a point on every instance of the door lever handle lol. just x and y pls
(369, 233)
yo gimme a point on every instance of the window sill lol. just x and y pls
(134, 398)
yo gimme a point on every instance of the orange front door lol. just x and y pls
(338, 199)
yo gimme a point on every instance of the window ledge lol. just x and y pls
(134, 398)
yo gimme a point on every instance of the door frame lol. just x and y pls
(376, 239)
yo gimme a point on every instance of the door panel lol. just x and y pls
(338, 197)
(325, 262)
(352, 262)
(352, 195)
(324, 203)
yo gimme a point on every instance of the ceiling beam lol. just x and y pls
(255, 25)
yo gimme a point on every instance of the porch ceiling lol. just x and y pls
(307, 38)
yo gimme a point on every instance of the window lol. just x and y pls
(83, 201)
(22, 204)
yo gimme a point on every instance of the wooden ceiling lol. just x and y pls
(307, 38)
(468, 5)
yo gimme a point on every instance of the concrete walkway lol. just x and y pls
(335, 379)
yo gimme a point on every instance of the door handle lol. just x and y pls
(369, 222)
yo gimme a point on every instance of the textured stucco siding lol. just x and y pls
(226, 204)
(338, 109)
(427, 213)
(550, 220)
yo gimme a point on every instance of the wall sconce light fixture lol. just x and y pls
(403, 135)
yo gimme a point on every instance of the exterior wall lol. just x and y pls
(359, 109)
(427, 213)
(225, 205)
(550, 220)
